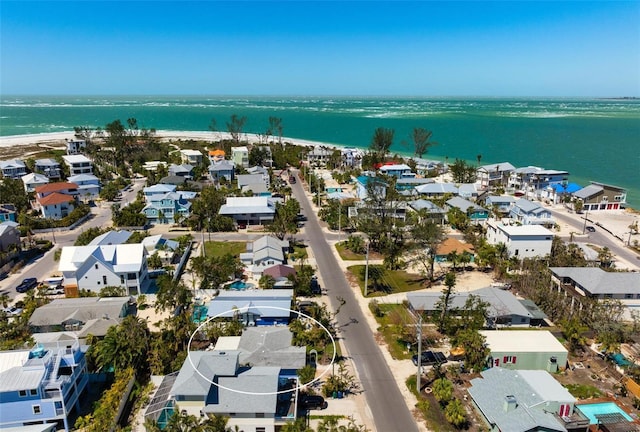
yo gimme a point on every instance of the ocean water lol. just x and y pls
(593, 139)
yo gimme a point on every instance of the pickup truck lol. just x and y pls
(27, 284)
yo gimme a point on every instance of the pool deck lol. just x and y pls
(630, 412)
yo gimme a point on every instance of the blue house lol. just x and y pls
(157, 189)
(164, 208)
(7, 213)
(476, 213)
(42, 385)
(397, 170)
(223, 169)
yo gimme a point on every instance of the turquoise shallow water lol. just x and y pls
(592, 139)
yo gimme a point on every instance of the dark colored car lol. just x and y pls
(314, 285)
(429, 358)
(301, 218)
(309, 402)
(27, 284)
(292, 179)
(591, 229)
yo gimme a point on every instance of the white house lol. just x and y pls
(78, 164)
(191, 157)
(264, 253)
(249, 210)
(397, 170)
(530, 213)
(522, 241)
(88, 185)
(494, 174)
(75, 146)
(95, 267)
(56, 200)
(33, 180)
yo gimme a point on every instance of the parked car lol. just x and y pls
(12, 310)
(27, 284)
(591, 229)
(309, 402)
(292, 179)
(53, 285)
(314, 285)
(429, 358)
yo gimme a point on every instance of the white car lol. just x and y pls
(12, 310)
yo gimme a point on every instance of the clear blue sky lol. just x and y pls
(568, 48)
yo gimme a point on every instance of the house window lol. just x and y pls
(121, 279)
(261, 429)
(259, 415)
(96, 266)
(509, 360)
(36, 409)
(33, 392)
(628, 296)
(131, 276)
(104, 279)
(22, 393)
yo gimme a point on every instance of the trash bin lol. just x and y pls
(340, 395)
(334, 395)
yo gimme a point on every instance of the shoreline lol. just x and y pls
(60, 137)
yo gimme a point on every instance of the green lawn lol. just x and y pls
(220, 248)
(394, 317)
(348, 255)
(393, 281)
(583, 391)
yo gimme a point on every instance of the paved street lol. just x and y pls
(386, 403)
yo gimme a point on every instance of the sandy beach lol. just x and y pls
(59, 138)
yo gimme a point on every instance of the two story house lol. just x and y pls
(88, 186)
(240, 156)
(42, 385)
(530, 213)
(222, 169)
(191, 157)
(249, 210)
(95, 267)
(75, 146)
(78, 164)
(397, 170)
(167, 208)
(33, 180)
(48, 167)
(13, 168)
(600, 196)
(56, 200)
(263, 253)
(522, 241)
(494, 175)
(475, 213)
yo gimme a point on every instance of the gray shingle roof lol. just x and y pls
(78, 309)
(247, 393)
(588, 192)
(270, 346)
(501, 302)
(530, 389)
(597, 281)
(211, 364)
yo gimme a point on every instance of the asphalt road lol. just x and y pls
(600, 237)
(43, 267)
(387, 406)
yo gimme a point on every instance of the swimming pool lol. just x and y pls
(239, 285)
(602, 410)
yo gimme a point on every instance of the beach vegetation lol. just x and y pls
(421, 138)
(12, 191)
(462, 172)
(129, 216)
(235, 127)
(214, 271)
(382, 140)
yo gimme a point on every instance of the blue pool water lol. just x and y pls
(593, 410)
(620, 359)
(239, 285)
(200, 313)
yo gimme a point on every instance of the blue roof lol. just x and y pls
(569, 188)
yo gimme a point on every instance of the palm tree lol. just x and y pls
(455, 413)
(445, 299)
(421, 141)
(478, 158)
(442, 390)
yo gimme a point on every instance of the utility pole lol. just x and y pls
(366, 271)
(586, 214)
(340, 223)
(418, 375)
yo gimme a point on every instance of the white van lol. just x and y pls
(53, 285)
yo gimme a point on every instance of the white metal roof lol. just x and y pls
(522, 341)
